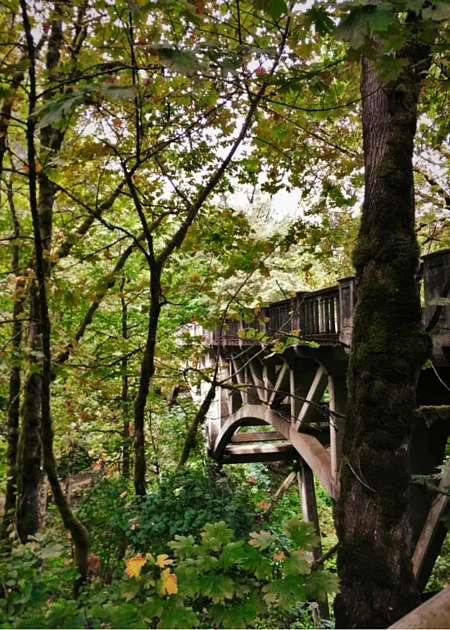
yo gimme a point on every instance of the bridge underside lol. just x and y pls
(290, 407)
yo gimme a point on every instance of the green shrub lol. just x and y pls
(212, 580)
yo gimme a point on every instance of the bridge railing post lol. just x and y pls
(348, 294)
(436, 274)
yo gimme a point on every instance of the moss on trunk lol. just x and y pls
(389, 346)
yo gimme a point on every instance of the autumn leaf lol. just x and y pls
(93, 562)
(280, 555)
(163, 560)
(134, 565)
(169, 584)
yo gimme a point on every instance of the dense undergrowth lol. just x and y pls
(195, 553)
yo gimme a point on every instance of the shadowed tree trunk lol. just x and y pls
(389, 347)
(14, 379)
(125, 397)
(29, 461)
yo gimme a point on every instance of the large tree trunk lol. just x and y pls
(389, 347)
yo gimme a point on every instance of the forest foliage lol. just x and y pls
(146, 151)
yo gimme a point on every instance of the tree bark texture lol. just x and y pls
(389, 347)
(29, 446)
(15, 380)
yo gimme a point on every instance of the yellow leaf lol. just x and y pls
(134, 565)
(163, 560)
(168, 582)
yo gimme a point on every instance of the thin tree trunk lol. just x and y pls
(389, 347)
(14, 379)
(79, 534)
(29, 448)
(146, 375)
(30, 475)
(126, 463)
(191, 436)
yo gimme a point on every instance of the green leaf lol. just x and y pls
(438, 12)
(320, 18)
(263, 539)
(217, 587)
(382, 18)
(274, 8)
(296, 564)
(183, 546)
(390, 68)
(179, 60)
(232, 554)
(239, 615)
(302, 534)
(322, 583)
(51, 113)
(354, 28)
(178, 617)
(215, 536)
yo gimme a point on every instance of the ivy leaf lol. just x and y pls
(169, 583)
(134, 565)
(262, 540)
(302, 534)
(274, 8)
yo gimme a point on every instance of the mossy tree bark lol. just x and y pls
(388, 349)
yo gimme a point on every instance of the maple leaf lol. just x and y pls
(280, 555)
(169, 582)
(134, 565)
(262, 539)
(163, 560)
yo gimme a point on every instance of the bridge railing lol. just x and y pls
(328, 314)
